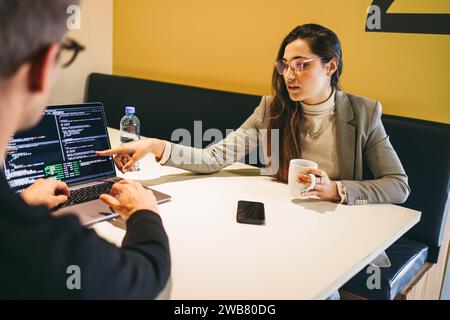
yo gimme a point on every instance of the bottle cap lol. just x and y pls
(130, 110)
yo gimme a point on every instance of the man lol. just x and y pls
(39, 253)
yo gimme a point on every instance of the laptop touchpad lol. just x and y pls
(88, 212)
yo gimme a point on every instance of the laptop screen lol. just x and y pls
(61, 146)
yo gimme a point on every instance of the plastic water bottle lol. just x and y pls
(130, 129)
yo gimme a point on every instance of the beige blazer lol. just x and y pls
(360, 136)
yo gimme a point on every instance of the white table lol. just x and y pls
(307, 250)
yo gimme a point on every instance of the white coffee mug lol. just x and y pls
(297, 166)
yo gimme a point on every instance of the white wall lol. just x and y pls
(445, 293)
(446, 285)
(96, 34)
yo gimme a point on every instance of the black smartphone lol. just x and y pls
(250, 212)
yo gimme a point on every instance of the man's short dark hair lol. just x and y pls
(27, 27)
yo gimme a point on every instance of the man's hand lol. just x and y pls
(127, 197)
(46, 192)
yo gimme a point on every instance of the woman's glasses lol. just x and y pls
(297, 65)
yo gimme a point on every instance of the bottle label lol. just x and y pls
(126, 137)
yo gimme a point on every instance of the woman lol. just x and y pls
(316, 121)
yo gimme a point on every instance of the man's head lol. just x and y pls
(31, 33)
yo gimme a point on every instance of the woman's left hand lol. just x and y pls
(325, 188)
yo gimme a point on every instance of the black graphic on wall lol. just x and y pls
(409, 22)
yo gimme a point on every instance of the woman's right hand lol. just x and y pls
(128, 154)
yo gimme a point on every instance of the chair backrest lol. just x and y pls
(164, 107)
(424, 150)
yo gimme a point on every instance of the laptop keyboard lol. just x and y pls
(88, 193)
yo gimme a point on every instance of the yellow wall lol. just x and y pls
(231, 45)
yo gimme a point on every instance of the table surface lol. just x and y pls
(307, 250)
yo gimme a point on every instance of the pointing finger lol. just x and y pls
(110, 152)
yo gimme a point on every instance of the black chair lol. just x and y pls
(424, 149)
(164, 107)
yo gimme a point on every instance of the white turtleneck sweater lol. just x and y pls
(320, 120)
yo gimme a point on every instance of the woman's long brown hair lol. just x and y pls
(285, 114)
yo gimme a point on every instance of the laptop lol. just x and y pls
(62, 146)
